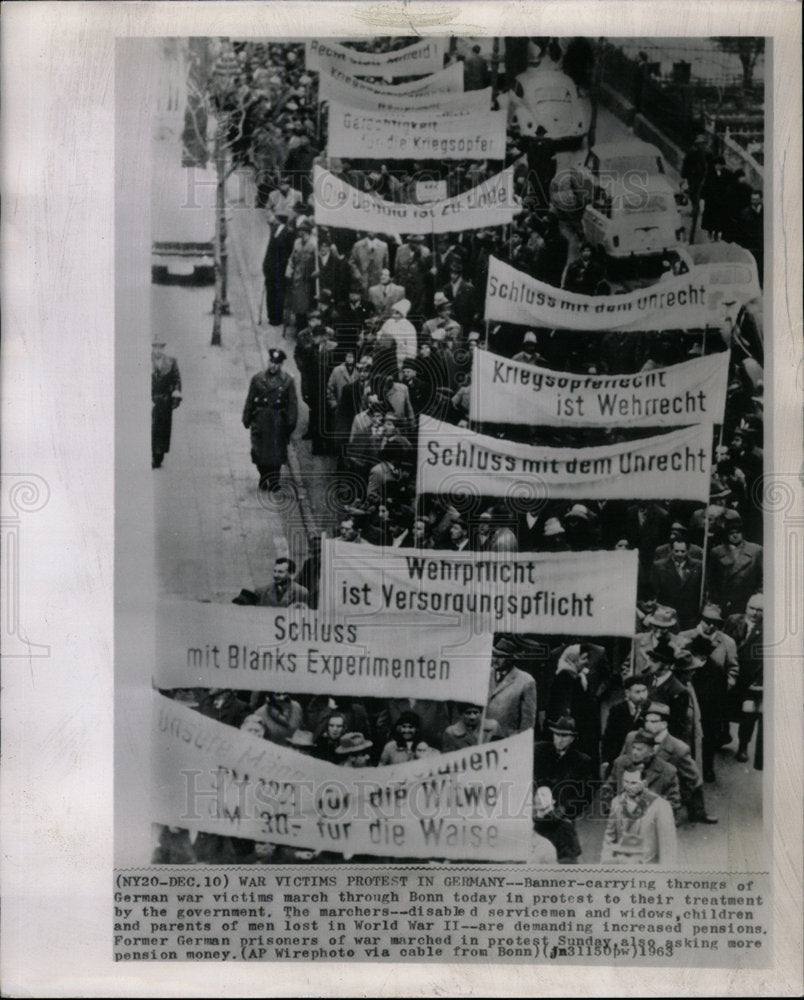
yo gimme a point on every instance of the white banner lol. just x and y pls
(355, 93)
(517, 392)
(670, 466)
(567, 593)
(415, 135)
(690, 301)
(470, 804)
(491, 203)
(446, 81)
(426, 56)
(283, 649)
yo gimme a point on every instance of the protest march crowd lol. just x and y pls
(390, 330)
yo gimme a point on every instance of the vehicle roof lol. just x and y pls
(624, 147)
(653, 184)
(538, 76)
(717, 253)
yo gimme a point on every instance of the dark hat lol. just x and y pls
(658, 708)
(664, 617)
(301, 738)
(353, 743)
(564, 726)
(683, 659)
(662, 653)
(276, 355)
(411, 718)
(158, 343)
(503, 646)
(700, 646)
(643, 736)
(304, 223)
(731, 519)
(246, 597)
(712, 613)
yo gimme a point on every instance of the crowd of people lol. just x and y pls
(383, 329)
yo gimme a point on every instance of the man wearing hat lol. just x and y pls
(368, 258)
(724, 650)
(665, 687)
(708, 682)
(353, 750)
(401, 331)
(165, 397)
(461, 294)
(529, 353)
(384, 294)
(301, 271)
(676, 583)
(677, 753)
(677, 530)
(282, 236)
(663, 626)
(284, 198)
(552, 824)
(746, 694)
(659, 776)
(302, 740)
(641, 829)
(734, 571)
(554, 537)
(624, 717)
(567, 772)
(443, 321)
(270, 414)
(512, 692)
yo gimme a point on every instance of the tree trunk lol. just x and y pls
(220, 307)
(748, 70)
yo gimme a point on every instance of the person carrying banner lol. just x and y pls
(470, 729)
(283, 591)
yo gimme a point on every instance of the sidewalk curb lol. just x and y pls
(305, 507)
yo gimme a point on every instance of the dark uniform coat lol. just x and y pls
(165, 380)
(270, 413)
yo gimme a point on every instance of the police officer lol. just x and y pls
(270, 414)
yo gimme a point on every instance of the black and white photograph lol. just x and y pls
(459, 476)
(368, 333)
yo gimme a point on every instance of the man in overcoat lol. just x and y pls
(270, 414)
(165, 397)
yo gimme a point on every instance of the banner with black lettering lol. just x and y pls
(426, 56)
(686, 302)
(417, 135)
(472, 804)
(346, 90)
(517, 392)
(566, 593)
(491, 203)
(288, 649)
(457, 460)
(446, 81)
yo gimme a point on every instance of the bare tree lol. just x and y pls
(748, 48)
(212, 92)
